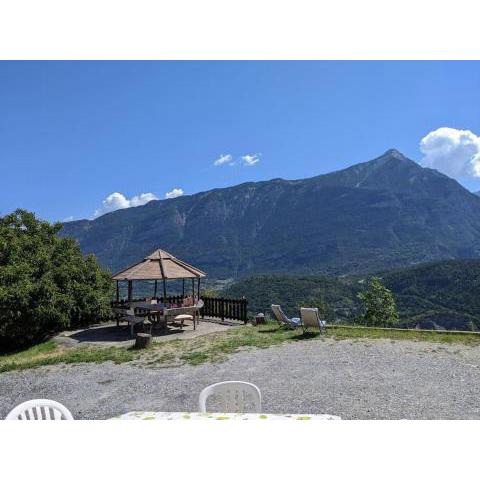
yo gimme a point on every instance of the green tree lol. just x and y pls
(379, 307)
(46, 284)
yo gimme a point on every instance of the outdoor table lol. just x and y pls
(158, 314)
(221, 416)
(153, 313)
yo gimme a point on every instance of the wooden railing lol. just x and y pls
(216, 307)
(176, 299)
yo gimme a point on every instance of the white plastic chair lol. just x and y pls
(233, 395)
(311, 318)
(40, 409)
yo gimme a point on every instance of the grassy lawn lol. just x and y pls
(49, 353)
(212, 347)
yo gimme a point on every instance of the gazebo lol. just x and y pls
(160, 265)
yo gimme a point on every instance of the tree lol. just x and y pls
(46, 284)
(379, 307)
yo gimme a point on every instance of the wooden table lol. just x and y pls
(153, 313)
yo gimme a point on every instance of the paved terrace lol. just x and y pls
(109, 335)
(363, 379)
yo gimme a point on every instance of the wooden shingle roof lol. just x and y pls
(160, 265)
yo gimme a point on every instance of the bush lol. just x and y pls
(379, 307)
(46, 284)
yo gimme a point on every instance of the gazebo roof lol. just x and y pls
(160, 265)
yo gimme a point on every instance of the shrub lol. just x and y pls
(46, 284)
(379, 307)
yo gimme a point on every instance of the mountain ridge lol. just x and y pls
(372, 215)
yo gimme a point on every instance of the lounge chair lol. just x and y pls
(234, 396)
(40, 409)
(283, 320)
(311, 319)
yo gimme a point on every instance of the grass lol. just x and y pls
(49, 353)
(217, 346)
(213, 347)
(451, 337)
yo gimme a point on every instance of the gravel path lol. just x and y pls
(362, 379)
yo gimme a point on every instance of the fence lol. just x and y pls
(234, 309)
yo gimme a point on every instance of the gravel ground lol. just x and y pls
(364, 379)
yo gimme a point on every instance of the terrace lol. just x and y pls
(334, 371)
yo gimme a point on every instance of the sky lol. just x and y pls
(78, 139)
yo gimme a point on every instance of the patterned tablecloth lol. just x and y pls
(220, 416)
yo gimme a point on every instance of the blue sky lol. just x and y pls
(73, 133)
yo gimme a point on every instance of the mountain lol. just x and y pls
(377, 215)
(438, 295)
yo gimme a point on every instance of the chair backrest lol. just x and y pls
(234, 396)
(199, 304)
(279, 315)
(180, 311)
(40, 409)
(153, 301)
(310, 317)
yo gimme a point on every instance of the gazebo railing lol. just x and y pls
(215, 307)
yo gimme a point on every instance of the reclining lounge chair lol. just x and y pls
(283, 320)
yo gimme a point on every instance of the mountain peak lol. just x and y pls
(393, 152)
(392, 157)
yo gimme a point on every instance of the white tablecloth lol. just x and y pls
(220, 416)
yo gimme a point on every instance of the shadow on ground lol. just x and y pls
(112, 333)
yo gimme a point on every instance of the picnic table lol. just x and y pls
(159, 314)
(221, 416)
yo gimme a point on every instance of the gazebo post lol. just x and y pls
(155, 292)
(164, 290)
(183, 287)
(118, 293)
(130, 288)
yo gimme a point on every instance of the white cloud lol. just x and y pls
(68, 219)
(250, 160)
(142, 199)
(245, 160)
(451, 151)
(176, 192)
(224, 160)
(117, 201)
